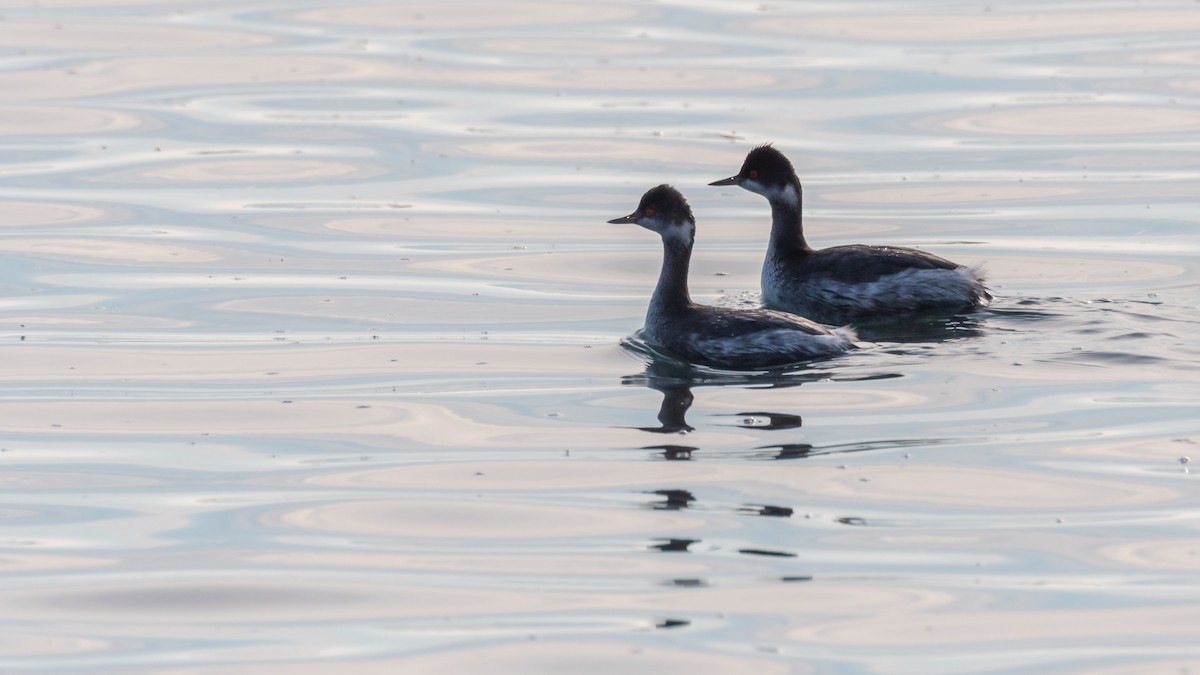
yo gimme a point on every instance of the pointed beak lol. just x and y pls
(624, 219)
(732, 180)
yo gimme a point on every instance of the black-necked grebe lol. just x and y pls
(717, 336)
(846, 283)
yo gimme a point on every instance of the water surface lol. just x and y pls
(312, 340)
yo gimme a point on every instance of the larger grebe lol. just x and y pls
(717, 336)
(846, 283)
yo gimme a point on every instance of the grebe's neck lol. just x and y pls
(671, 293)
(787, 229)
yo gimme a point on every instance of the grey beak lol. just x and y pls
(732, 180)
(631, 218)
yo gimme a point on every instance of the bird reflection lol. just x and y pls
(675, 381)
(792, 451)
(767, 510)
(673, 452)
(767, 421)
(922, 329)
(674, 545)
(674, 500)
(677, 398)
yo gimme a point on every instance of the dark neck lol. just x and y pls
(787, 229)
(672, 291)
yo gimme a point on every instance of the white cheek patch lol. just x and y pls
(789, 195)
(754, 186)
(652, 223)
(681, 233)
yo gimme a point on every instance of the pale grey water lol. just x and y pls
(311, 331)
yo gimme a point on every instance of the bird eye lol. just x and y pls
(649, 213)
(753, 173)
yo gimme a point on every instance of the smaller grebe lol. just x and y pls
(717, 336)
(846, 283)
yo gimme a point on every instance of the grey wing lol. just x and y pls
(745, 322)
(860, 264)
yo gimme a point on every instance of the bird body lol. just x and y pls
(856, 282)
(720, 337)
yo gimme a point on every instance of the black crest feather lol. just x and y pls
(769, 166)
(668, 203)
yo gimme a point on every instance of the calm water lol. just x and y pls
(311, 334)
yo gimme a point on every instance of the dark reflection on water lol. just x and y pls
(675, 500)
(791, 451)
(802, 450)
(931, 329)
(853, 520)
(686, 583)
(674, 545)
(677, 399)
(766, 552)
(767, 510)
(675, 381)
(785, 451)
(673, 452)
(766, 421)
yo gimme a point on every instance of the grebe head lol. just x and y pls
(663, 210)
(768, 173)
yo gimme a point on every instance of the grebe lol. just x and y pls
(846, 283)
(717, 336)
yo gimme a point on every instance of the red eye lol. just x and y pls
(649, 213)
(753, 173)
